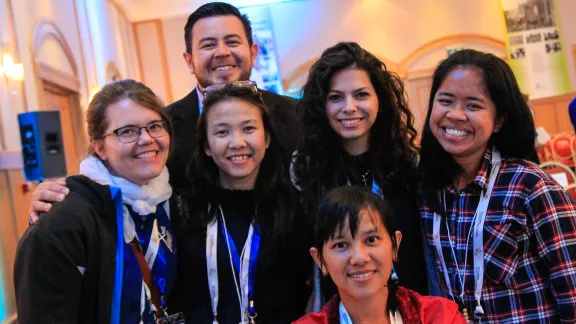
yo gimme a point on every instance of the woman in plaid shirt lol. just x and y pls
(502, 231)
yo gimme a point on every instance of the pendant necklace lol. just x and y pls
(365, 178)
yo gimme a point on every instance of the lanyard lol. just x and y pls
(395, 317)
(244, 264)
(477, 228)
(150, 258)
(376, 189)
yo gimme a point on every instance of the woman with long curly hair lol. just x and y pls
(359, 131)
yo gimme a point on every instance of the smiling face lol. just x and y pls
(139, 161)
(360, 266)
(237, 142)
(220, 51)
(463, 116)
(352, 108)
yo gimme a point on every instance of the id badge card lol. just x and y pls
(177, 318)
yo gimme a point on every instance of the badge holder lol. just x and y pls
(177, 318)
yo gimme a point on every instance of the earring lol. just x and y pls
(394, 276)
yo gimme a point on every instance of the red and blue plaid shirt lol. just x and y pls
(529, 245)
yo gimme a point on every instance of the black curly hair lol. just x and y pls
(318, 164)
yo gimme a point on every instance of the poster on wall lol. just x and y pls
(534, 47)
(266, 72)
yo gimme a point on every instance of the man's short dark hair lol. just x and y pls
(213, 9)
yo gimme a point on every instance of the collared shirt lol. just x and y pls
(200, 99)
(529, 244)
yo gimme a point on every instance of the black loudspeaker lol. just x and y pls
(42, 145)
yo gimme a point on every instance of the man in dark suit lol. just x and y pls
(220, 49)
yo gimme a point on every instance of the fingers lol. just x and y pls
(44, 194)
(53, 186)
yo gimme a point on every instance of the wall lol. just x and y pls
(568, 24)
(389, 29)
(98, 35)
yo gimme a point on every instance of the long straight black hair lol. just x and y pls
(517, 133)
(273, 187)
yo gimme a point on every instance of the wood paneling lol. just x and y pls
(552, 113)
(63, 101)
(14, 203)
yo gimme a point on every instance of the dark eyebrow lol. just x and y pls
(248, 121)
(356, 90)
(151, 122)
(370, 231)
(232, 36)
(206, 39)
(475, 98)
(444, 93)
(214, 39)
(220, 125)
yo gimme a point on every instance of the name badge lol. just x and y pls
(177, 318)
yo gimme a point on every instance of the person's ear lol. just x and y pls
(253, 53)
(188, 58)
(498, 124)
(98, 146)
(315, 255)
(267, 140)
(398, 235)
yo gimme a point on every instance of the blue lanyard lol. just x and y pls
(376, 189)
(254, 247)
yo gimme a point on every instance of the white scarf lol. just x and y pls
(143, 199)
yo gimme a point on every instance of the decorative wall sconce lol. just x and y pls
(13, 71)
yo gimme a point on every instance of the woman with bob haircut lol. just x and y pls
(358, 131)
(243, 239)
(503, 231)
(106, 253)
(356, 243)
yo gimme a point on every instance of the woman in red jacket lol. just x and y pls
(355, 244)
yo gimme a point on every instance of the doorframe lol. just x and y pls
(58, 81)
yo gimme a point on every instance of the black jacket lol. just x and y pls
(283, 267)
(185, 113)
(80, 231)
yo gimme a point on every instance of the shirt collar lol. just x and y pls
(481, 179)
(200, 99)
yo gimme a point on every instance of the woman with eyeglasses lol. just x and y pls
(358, 131)
(243, 243)
(107, 252)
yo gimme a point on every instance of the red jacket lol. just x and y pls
(414, 309)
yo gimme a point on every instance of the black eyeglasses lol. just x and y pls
(130, 134)
(248, 84)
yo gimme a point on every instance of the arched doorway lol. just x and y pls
(59, 87)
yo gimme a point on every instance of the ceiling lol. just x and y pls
(139, 10)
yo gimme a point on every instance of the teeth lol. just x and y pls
(456, 132)
(349, 122)
(239, 157)
(222, 68)
(363, 275)
(146, 155)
